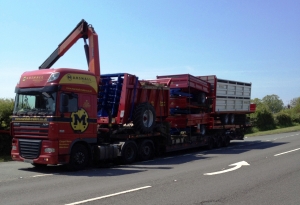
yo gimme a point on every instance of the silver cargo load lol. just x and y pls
(230, 96)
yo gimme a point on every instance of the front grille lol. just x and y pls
(24, 129)
(30, 149)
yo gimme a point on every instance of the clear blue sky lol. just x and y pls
(250, 40)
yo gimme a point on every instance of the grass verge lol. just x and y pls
(276, 131)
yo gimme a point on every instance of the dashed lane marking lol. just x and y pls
(42, 175)
(110, 195)
(286, 152)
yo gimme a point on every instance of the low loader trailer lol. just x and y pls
(77, 117)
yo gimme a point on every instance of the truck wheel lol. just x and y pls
(218, 141)
(210, 143)
(129, 152)
(144, 118)
(146, 150)
(79, 158)
(226, 141)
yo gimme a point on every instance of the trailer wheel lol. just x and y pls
(218, 141)
(144, 118)
(129, 152)
(79, 158)
(224, 119)
(146, 150)
(210, 144)
(226, 141)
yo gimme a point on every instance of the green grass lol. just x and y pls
(5, 158)
(276, 131)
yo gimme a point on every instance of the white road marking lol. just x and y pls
(286, 152)
(237, 166)
(168, 158)
(110, 195)
(42, 175)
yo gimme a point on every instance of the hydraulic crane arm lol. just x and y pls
(85, 31)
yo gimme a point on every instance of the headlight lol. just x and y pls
(49, 150)
(14, 147)
(53, 77)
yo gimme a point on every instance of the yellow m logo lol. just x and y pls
(79, 120)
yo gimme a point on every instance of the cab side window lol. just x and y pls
(68, 102)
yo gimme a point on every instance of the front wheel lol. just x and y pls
(79, 158)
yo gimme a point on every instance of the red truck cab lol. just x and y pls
(53, 108)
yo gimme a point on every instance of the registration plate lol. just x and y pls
(28, 161)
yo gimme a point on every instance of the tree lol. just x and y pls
(274, 103)
(6, 109)
(264, 119)
(256, 101)
(295, 102)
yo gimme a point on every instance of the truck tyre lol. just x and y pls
(231, 119)
(129, 152)
(226, 141)
(218, 141)
(210, 143)
(144, 118)
(146, 150)
(79, 158)
(224, 119)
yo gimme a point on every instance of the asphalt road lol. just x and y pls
(260, 170)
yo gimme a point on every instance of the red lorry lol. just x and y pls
(76, 117)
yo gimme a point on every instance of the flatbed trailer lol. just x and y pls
(76, 117)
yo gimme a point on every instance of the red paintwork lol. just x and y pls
(187, 83)
(157, 96)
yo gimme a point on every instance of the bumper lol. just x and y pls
(41, 157)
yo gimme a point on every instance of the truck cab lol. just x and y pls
(54, 109)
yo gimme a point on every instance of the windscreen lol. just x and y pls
(35, 104)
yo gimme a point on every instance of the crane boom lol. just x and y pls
(85, 31)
